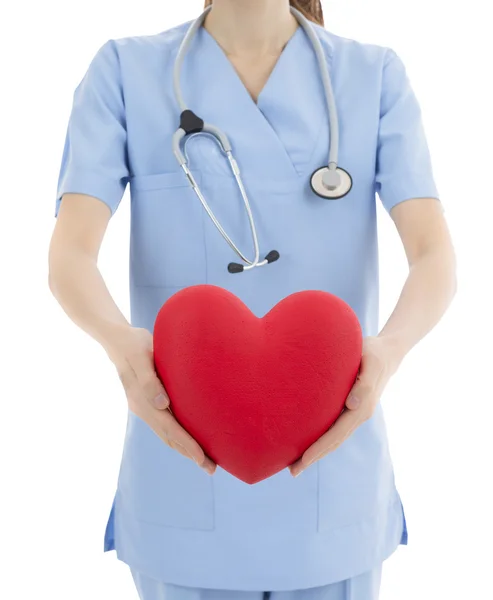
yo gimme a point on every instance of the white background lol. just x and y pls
(63, 409)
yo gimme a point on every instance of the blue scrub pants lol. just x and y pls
(362, 587)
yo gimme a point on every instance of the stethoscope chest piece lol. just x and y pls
(331, 184)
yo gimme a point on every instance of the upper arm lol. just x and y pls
(403, 166)
(94, 159)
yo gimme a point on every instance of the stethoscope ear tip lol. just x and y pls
(235, 268)
(272, 256)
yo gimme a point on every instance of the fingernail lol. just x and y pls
(353, 402)
(299, 473)
(160, 401)
(199, 463)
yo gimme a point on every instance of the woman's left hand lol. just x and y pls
(380, 359)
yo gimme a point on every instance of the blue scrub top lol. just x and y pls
(170, 519)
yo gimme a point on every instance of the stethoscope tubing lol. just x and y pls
(205, 204)
(198, 126)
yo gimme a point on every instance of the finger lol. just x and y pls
(335, 436)
(176, 446)
(347, 422)
(175, 432)
(207, 465)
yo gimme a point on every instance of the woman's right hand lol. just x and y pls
(131, 351)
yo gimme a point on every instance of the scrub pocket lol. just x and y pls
(356, 481)
(167, 237)
(160, 486)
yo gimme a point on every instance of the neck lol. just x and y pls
(251, 27)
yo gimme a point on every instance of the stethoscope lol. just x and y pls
(330, 182)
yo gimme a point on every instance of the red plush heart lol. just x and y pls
(256, 392)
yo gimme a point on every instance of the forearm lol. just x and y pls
(78, 285)
(426, 295)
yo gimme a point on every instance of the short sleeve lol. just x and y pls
(403, 167)
(94, 159)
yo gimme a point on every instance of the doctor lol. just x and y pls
(254, 143)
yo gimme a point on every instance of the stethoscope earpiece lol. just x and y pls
(235, 268)
(270, 258)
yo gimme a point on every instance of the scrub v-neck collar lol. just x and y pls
(277, 135)
(283, 56)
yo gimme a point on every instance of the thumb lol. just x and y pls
(160, 400)
(359, 392)
(152, 388)
(360, 387)
(353, 400)
(155, 392)
(150, 385)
